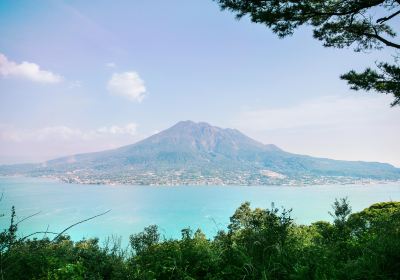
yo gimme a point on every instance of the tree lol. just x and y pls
(363, 24)
(144, 240)
(341, 211)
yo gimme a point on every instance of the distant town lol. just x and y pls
(225, 179)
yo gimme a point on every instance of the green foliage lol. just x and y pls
(341, 212)
(363, 24)
(146, 239)
(192, 257)
(259, 244)
(68, 272)
(387, 80)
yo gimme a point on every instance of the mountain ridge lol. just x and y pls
(199, 153)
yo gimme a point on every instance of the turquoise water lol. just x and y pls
(171, 208)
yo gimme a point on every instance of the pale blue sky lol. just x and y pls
(196, 63)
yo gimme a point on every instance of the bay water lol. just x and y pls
(171, 208)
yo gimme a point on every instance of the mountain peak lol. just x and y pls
(189, 123)
(199, 141)
(184, 123)
(195, 129)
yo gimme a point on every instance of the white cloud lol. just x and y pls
(111, 64)
(75, 84)
(12, 134)
(129, 129)
(354, 127)
(55, 132)
(64, 133)
(325, 111)
(127, 84)
(36, 145)
(27, 70)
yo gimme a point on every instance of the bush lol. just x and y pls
(259, 244)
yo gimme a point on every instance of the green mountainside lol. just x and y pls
(198, 153)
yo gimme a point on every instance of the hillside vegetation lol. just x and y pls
(258, 244)
(190, 153)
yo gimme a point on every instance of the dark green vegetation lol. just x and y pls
(364, 24)
(259, 244)
(191, 153)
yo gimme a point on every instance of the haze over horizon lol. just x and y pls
(96, 79)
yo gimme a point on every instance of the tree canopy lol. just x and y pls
(362, 24)
(258, 244)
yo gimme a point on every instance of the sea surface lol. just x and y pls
(171, 208)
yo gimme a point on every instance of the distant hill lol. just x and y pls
(198, 153)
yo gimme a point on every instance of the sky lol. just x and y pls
(83, 76)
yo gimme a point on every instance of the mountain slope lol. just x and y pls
(198, 153)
